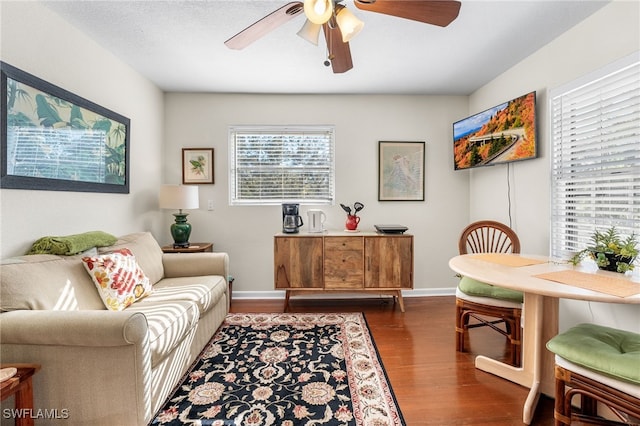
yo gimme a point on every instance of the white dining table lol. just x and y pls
(540, 311)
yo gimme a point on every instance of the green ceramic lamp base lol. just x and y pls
(180, 230)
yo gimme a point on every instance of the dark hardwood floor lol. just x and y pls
(434, 384)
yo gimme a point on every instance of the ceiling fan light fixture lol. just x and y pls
(310, 32)
(349, 25)
(318, 11)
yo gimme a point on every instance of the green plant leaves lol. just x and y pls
(607, 243)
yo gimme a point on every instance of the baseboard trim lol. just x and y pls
(279, 294)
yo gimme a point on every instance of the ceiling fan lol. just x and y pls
(339, 25)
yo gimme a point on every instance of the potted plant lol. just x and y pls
(610, 251)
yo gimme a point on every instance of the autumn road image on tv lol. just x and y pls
(504, 133)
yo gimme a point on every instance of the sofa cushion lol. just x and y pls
(146, 250)
(46, 282)
(118, 277)
(204, 291)
(169, 322)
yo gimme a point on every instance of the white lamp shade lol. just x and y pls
(349, 25)
(310, 32)
(179, 197)
(318, 11)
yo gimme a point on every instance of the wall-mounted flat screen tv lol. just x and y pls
(504, 133)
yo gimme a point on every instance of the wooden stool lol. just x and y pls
(600, 365)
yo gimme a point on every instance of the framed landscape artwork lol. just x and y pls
(197, 166)
(55, 140)
(401, 171)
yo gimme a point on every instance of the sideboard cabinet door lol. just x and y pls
(388, 262)
(298, 262)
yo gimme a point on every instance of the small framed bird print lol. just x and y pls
(197, 166)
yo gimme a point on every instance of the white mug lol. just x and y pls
(316, 220)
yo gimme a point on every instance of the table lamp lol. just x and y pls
(179, 197)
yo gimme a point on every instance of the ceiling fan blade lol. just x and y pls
(339, 51)
(435, 12)
(259, 28)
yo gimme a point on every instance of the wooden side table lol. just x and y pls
(20, 386)
(193, 248)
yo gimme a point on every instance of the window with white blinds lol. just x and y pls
(595, 141)
(273, 165)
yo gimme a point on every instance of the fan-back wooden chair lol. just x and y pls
(488, 305)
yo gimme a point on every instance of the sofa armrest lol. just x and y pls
(195, 264)
(95, 365)
(90, 328)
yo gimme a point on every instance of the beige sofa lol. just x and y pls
(103, 367)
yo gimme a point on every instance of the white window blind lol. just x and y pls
(595, 138)
(272, 165)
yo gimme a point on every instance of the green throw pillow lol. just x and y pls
(476, 288)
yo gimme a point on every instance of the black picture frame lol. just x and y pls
(197, 166)
(54, 140)
(401, 171)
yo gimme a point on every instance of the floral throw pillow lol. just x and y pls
(118, 278)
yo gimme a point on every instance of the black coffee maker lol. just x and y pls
(291, 220)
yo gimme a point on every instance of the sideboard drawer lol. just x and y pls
(343, 269)
(342, 243)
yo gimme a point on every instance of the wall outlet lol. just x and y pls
(210, 205)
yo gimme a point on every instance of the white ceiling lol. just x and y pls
(179, 45)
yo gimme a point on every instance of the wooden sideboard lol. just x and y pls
(343, 262)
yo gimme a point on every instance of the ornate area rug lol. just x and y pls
(286, 370)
